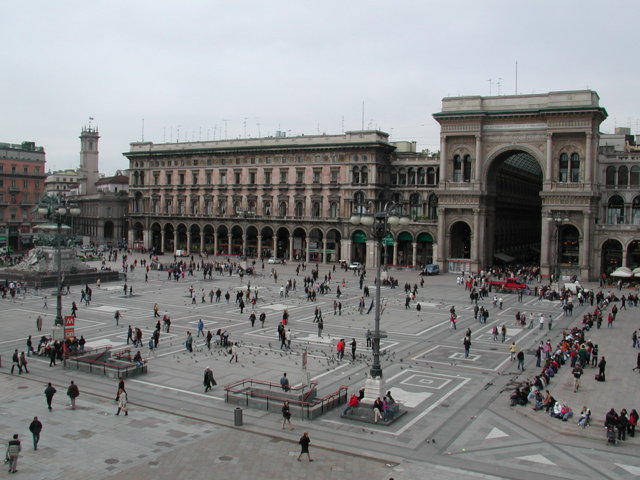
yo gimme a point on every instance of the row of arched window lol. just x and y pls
(622, 176)
(180, 206)
(416, 208)
(616, 214)
(414, 176)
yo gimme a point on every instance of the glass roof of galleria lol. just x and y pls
(524, 161)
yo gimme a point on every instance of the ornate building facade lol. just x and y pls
(287, 197)
(518, 179)
(22, 175)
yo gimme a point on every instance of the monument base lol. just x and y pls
(373, 388)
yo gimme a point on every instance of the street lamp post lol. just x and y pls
(55, 209)
(380, 222)
(558, 218)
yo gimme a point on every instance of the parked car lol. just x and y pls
(355, 266)
(274, 260)
(431, 269)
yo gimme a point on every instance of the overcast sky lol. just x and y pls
(297, 66)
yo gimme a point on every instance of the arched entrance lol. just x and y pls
(223, 240)
(359, 246)
(108, 231)
(182, 237)
(209, 238)
(156, 237)
(282, 243)
(138, 236)
(633, 254)
(299, 244)
(251, 248)
(569, 250)
(169, 239)
(424, 249)
(333, 245)
(514, 208)
(611, 256)
(194, 239)
(405, 249)
(267, 242)
(315, 245)
(460, 248)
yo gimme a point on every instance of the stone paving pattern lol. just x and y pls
(459, 423)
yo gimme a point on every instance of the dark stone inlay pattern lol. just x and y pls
(225, 458)
(111, 461)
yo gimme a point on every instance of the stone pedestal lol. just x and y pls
(57, 333)
(373, 388)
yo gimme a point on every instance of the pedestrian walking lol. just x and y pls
(304, 446)
(512, 350)
(117, 317)
(45, 306)
(353, 349)
(601, 369)
(23, 362)
(520, 357)
(35, 428)
(13, 451)
(73, 392)
(577, 373)
(503, 331)
(49, 392)
(368, 337)
(467, 346)
(39, 323)
(208, 381)
(189, 342)
(200, 328)
(122, 402)
(120, 388)
(286, 415)
(320, 327)
(234, 352)
(15, 362)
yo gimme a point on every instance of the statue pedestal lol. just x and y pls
(373, 388)
(57, 333)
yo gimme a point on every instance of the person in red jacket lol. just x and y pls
(340, 348)
(353, 403)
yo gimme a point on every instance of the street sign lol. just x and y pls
(69, 326)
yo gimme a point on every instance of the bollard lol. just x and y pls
(237, 417)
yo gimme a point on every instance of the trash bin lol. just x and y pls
(237, 417)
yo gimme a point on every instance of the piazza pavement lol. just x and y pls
(459, 423)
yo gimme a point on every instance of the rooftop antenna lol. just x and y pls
(244, 123)
(499, 83)
(226, 121)
(342, 129)
(516, 77)
(90, 118)
(178, 141)
(490, 84)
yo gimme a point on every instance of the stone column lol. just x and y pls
(274, 252)
(244, 243)
(588, 171)
(545, 243)
(440, 259)
(201, 240)
(345, 250)
(414, 246)
(443, 159)
(162, 240)
(585, 243)
(371, 257)
(189, 241)
(324, 251)
(394, 261)
(475, 243)
(291, 248)
(549, 166)
(259, 252)
(229, 243)
(306, 250)
(478, 173)
(175, 239)
(215, 242)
